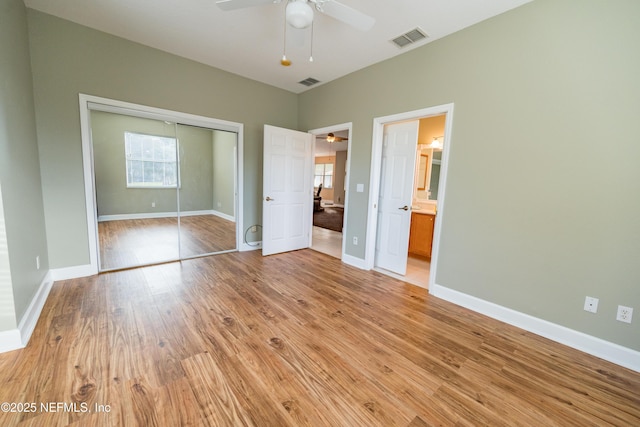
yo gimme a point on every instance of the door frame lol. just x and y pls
(335, 128)
(374, 179)
(90, 102)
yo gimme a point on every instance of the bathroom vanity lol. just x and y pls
(421, 233)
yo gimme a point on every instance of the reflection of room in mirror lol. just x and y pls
(164, 191)
(429, 156)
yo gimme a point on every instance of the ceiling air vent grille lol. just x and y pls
(409, 37)
(309, 81)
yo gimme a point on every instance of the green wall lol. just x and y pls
(68, 59)
(224, 149)
(19, 172)
(112, 195)
(196, 168)
(543, 190)
(198, 165)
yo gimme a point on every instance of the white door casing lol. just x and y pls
(396, 193)
(287, 196)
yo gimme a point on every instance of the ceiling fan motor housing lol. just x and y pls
(299, 14)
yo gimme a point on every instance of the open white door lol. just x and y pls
(287, 196)
(396, 193)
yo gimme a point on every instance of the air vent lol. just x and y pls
(409, 37)
(309, 81)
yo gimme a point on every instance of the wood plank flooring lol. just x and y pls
(296, 339)
(133, 242)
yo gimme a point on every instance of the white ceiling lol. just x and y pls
(249, 42)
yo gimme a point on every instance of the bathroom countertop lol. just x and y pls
(424, 211)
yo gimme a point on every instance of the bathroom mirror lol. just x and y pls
(430, 144)
(422, 171)
(428, 174)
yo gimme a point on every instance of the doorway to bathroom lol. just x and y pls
(408, 177)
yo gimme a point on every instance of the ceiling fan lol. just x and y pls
(299, 13)
(332, 138)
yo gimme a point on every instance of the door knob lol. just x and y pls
(404, 208)
(269, 199)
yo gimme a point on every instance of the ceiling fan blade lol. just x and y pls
(241, 4)
(348, 15)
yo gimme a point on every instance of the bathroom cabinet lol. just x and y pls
(421, 234)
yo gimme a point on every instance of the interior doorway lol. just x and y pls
(330, 182)
(408, 170)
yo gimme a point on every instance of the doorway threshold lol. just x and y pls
(417, 272)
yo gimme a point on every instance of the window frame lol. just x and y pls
(128, 160)
(324, 174)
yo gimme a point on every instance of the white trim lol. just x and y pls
(251, 246)
(90, 102)
(148, 215)
(74, 272)
(221, 215)
(354, 261)
(32, 314)
(10, 340)
(374, 179)
(89, 184)
(334, 128)
(15, 339)
(606, 350)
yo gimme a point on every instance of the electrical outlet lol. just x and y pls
(355, 240)
(153, 204)
(591, 304)
(624, 314)
(254, 228)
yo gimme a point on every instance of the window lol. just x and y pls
(151, 161)
(323, 175)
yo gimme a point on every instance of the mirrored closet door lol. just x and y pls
(207, 190)
(164, 191)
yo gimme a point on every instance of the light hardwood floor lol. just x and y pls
(294, 339)
(133, 242)
(330, 242)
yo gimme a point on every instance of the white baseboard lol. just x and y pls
(10, 340)
(15, 339)
(354, 261)
(222, 215)
(148, 215)
(74, 272)
(606, 350)
(250, 246)
(31, 316)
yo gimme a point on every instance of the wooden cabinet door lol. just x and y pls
(421, 235)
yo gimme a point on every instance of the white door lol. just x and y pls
(287, 196)
(396, 192)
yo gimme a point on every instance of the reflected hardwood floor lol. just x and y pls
(126, 243)
(295, 339)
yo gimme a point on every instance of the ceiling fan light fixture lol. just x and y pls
(331, 138)
(285, 62)
(299, 14)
